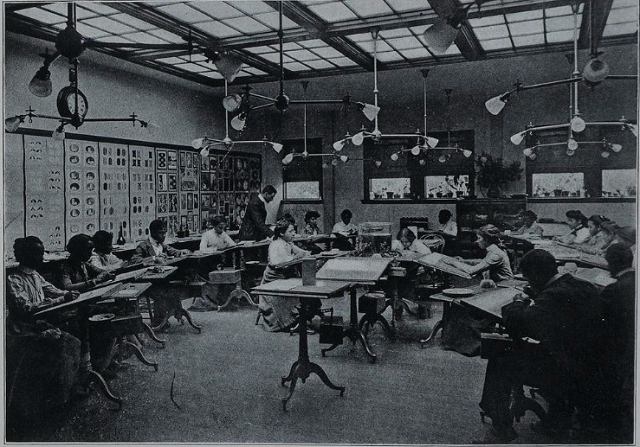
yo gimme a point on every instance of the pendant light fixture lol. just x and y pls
(575, 124)
(241, 103)
(424, 142)
(205, 143)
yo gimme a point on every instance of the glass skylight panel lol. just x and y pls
(486, 21)
(260, 50)
(524, 16)
(61, 9)
(391, 33)
(195, 68)
(562, 11)
(211, 74)
(624, 3)
(171, 60)
(408, 5)
(313, 43)
(194, 58)
(327, 52)
(416, 53)
(496, 44)
(132, 21)
(319, 64)
(332, 12)
(419, 30)
(368, 46)
(621, 29)
(272, 20)
(287, 46)
(109, 25)
(89, 32)
(142, 37)
(453, 50)
(404, 43)
(560, 36)
(369, 9)
(99, 8)
(246, 24)
(526, 28)
(217, 29)
(343, 62)
(275, 57)
(302, 55)
(42, 15)
(253, 7)
(295, 66)
(184, 13)
(529, 40)
(560, 23)
(390, 56)
(218, 10)
(492, 32)
(113, 39)
(253, 71)
(622, 15)
(166, 35)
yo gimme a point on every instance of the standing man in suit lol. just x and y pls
(254, 227)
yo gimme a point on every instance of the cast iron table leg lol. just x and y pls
(302, 368)
(140, 355)
(439, 324)
(96, 377)
(152, 334)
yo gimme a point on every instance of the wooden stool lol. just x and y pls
(230, 276)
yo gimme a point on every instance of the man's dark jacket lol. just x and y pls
(254, 227)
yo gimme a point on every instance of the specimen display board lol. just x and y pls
(81, 189)
(142, 201)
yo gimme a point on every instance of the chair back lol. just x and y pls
(434, 241)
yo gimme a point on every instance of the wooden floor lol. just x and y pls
(227, 385)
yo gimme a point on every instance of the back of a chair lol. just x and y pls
(434, 241)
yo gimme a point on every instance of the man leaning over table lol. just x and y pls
(563, 315)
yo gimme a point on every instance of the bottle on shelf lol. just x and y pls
(121, 240)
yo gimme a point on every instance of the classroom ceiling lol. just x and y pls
(321, 37)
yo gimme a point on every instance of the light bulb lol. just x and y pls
(467, 153)
(325, 165)
(338, 145)
(358, 138)
(442, 158)
(204, 152)
(432, 142)
(197, 143)
(605, 154)
(378, 163)
(277, 147)
(58, 134)
(423, 162)
(12, 124)
(495, 105)
(517, 138)
(287, 159)
(527, 152)
(232, 103)
(577, 124)
(394, 156)
(344, 158)
(415, 150)
(334, 162)
(616, 147)
(570, 152)
(633, 128)
(572, 144)
(238, 122)
(533, 156)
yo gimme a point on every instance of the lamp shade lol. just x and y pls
(615, 147)
(577, 124)
(495, 105)
(442, 158)
(197, 143)
(517, 138)
(415, 150)
(229, 66)
(439, 36)
(423, 162)
(432, 142)
(334, 162)
(338, 145)
(370, 111)
(204, 152)
(287, 159)
(40, 85)
(58, 134)
(572, 144)
(595, 71)
(277, 147)
(378, 163)
(344, 158)
(533, 156)
(467, 153)
(238, 122)
(605, 154)
(12, 124)
(633, 128)
(394, 156)
(527, 152)
(232, 103)
(570, 152)
(358, 138)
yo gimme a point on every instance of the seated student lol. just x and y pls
(618, 303)
(609, 229)
(530, 226)
(102, 257)
(495, 264)
(627, 236)
(154, 247)
(344, 230)
(216, 238)
(407, 244)
(597, 237)
(279, 312)
(292, 220)
(563, 315)
(311, 224)
(579, 231)
(447, 225)
(31, 340)
(76, 273)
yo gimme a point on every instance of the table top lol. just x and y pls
(490, 301)
(293, 287)
(598, 277)
(353, 269)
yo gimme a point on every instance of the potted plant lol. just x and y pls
(493, 174)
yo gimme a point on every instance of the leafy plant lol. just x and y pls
(493, 171)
